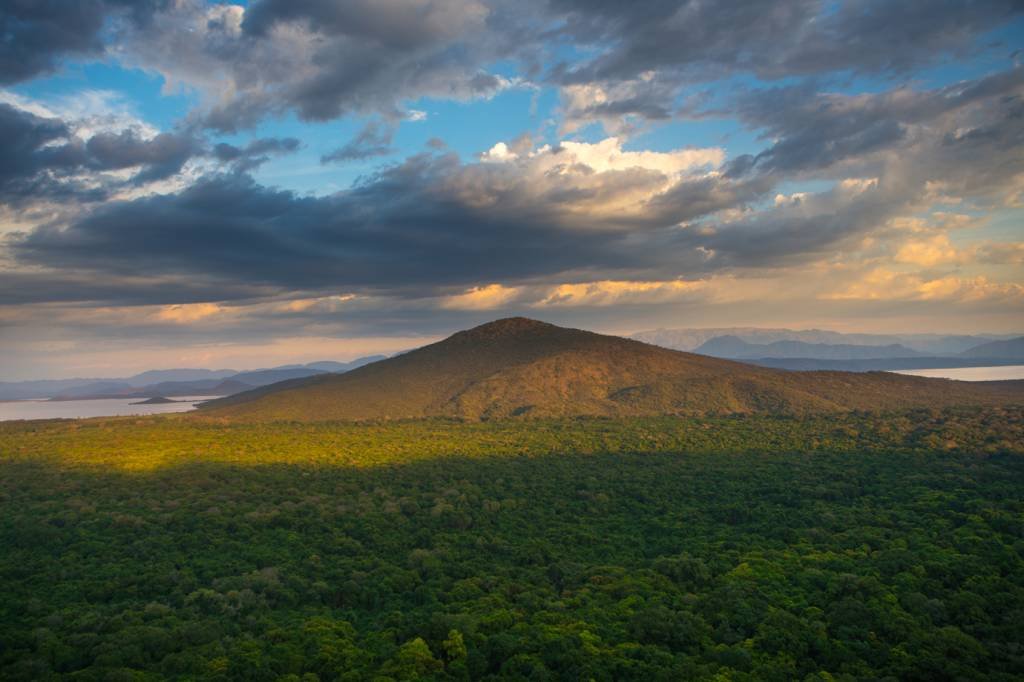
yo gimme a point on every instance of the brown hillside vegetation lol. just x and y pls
(518, 367)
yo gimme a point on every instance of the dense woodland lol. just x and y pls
(736, 548)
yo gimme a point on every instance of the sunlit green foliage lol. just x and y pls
(847, 547)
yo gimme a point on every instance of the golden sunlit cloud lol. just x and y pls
(610, 292)
(486, 297)
(883, 284)
(186, 313)
(928, 252)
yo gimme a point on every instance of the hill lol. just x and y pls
(736, 348)
(156, 400)
(175, 382)
(930, 344)
(520, 367)
(1003, 350)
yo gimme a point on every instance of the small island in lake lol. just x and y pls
(157, 400)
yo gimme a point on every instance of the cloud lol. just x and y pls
(936, 250)
(573, 214)
(46, 158)
(639, 63)
(431, 222)
(320, 60)
(771, 39)
(323, 59)
(159, 157)
(620, 107)
(488, 297)
(373, 140)
(87, 150)
(37, 34)
(883, 284)
(816, 131)
(255, 153)
(188, 313)
(609, 293)
(1006, 253)
(590, 216)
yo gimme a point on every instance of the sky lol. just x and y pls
(201, 184)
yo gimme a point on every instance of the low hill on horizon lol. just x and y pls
(171, 382)
(1008, 349)
(521, 367)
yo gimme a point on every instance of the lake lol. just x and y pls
(970, 373)
(76, 409)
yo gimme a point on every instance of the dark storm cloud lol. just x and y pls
(36, 34)
(26, 287)
(373, 140)
(390, 232)
(418, 226)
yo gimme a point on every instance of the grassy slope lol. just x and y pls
(519, 367)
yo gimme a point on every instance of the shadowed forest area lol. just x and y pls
(739, 548)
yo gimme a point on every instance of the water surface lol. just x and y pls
(969, 373)
(76, 409)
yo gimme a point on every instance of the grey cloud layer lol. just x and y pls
(36, 34)
(815, 130)
(45, 159)
(772, 39)
(404, 228)
(434, 222)
(255, 153)
(325, 59)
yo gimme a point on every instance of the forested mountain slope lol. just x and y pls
(520, 367)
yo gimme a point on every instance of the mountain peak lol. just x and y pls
(521, 367)
(504, 328)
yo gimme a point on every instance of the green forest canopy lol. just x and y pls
(738, 548)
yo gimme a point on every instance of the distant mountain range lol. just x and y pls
(812, 349)
(737, 348)
(1010, 348)
(172, 382)
(818, 349)
(523, 368)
